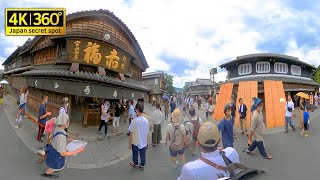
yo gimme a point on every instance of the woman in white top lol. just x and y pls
(64, 106)
(21, 104)
(26, 94)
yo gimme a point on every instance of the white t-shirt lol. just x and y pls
(21, 98)
(199, 170)
(62, 110)
(143, 130)
(289, 104)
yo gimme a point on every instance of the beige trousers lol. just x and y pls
(243, 125)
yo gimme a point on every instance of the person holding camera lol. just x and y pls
(289, 114)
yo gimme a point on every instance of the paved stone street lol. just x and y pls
(294, 156)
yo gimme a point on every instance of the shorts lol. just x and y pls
(305, 126)
(174, 153)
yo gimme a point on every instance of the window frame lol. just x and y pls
(263, 62)
(243, 67)
(280, 72)
(295, 74)
(156, 81)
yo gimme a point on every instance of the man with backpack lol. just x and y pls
(211, 162)
(175, 135)
(192, 126)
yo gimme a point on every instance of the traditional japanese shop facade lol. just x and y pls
(98, 59)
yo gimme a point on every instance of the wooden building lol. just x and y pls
(156, 82)
(200, 87)
(99, 58)
(267, 76)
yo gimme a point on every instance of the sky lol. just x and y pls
(186, 38)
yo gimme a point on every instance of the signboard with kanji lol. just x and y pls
(97, 53)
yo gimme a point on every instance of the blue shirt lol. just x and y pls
(226, 128)
(131, 111)
(306, 117)
(42, 111)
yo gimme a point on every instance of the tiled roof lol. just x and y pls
(278, 77)
(128, 82)
(205, 82)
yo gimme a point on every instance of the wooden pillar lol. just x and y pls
(85, 114)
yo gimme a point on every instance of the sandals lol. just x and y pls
(268, 157)
(137, 166)
(133, 165)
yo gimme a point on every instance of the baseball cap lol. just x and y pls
(208, 135)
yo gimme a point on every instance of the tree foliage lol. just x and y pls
(169, 80)
(316, 75)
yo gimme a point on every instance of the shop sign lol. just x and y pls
(97, 53)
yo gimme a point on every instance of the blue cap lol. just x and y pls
(257, 101)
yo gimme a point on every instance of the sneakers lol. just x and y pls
(16, 126)
(106, 136)
(49, 175)
(99, 132)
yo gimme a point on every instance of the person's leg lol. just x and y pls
(135, 151)
(182, 157)
(253, 146)
(142, 153)
(262, 149)
(245, 126)
(39, 133)
(105, 128)
(114, 124)
(287, 122)
(291, 124)
(159, 135)
(154, 135)
(173, 157)
(301, 119)
(100, 126)
(241, 125)
(117, 124)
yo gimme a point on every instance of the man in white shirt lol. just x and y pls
(191, 101)
(289, 114)
(156, 118)
(208, 140)
(138, 139)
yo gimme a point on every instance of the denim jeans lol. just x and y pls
(289, 121)
(260, 146)
(142, 152)
(105, 124)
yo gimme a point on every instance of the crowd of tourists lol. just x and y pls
(184, 132)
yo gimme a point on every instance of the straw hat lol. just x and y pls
(176, 117)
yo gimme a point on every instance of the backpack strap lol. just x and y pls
(58, 133)
(212, 164)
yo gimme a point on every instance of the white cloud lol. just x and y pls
(172, 27)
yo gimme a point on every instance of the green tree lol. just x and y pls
(169, 80)
(316, 75)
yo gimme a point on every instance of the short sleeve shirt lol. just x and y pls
(42, 111)
(170, 129)
(226, 128)
(143, 130)
(60, 141)
(257, 126)
(291, 105)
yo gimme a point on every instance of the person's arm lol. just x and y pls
(45, 113)
(72, 152)
(130, 141)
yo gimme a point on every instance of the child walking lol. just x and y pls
(306, 117)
